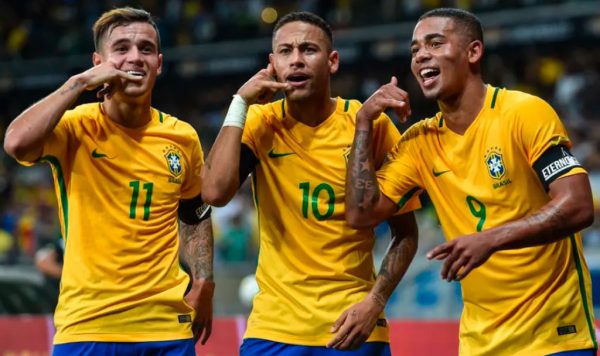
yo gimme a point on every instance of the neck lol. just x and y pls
(128, 114)
(460, 111)
(311, 112)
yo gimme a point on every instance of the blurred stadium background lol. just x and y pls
(549, 48)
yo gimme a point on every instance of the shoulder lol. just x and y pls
(84, 111)
(521, 104)
(422, 129)
(173, 124)
(261, 116)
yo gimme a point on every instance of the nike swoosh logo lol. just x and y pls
(97, 154)
(273, 154)
(437, 174)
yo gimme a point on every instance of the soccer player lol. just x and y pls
(509, 195)
(312, 267)
(123, 173)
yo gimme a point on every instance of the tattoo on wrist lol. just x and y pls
(70, 88)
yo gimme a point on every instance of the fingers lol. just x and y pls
(441, 251)
(341, 335)
(452, 268)
(339, 322)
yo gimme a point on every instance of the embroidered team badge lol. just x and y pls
(174, 163)
(495, 163)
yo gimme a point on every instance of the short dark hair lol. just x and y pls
(466, 20)
(121, 17)
(307, 17)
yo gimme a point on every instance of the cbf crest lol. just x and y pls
(172, 155)
(495, 163)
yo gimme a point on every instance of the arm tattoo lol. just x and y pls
(197, 241)
(398, 257)
(71, 88)
(361, 173)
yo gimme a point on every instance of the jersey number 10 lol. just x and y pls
(314, 199)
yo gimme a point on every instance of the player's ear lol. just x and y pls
(272, 62)
(160, 62)
(334, 61)
(475, 51)
(96, 58)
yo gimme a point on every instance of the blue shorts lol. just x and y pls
(586, 352)
(184, 347)
(260, 347)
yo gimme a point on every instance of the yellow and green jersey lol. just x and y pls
(311, 266)
(118, 191)
(528, 301)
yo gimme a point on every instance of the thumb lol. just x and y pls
(394, 81)
(271, 70)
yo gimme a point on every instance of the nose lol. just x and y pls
(134, 55)
(421, 55)
(296, 58)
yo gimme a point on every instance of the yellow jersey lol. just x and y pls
(311, 266)
(528, 301)
(118, 192)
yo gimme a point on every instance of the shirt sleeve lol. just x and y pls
(540, 129)
(191, 187)
(58, 142)
(399, 178)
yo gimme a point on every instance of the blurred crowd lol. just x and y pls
(566, 74)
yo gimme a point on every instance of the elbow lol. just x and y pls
(356, 220)
(11, 145)
(215, 196)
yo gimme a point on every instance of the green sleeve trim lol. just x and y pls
(160, 116)
(407, 197)
(64, 201)
(346, 105)
(494, 97)
(588, 317)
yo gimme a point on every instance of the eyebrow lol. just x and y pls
(127, 40)
(428, 38)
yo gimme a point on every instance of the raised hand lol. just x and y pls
(108, 75)
(261, 88)
(387, 96)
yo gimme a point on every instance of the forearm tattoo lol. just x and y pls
(395, 263)
(363, 183)
(197, 248)
(70, 88)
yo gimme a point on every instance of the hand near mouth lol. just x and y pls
(387, 96)
(261, 88)
(106, 73)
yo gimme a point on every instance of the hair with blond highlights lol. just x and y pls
(121, 17)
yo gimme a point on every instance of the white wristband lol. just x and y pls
(236, 114)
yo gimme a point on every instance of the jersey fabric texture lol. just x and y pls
(118, 191)
(527, 301)
(311, 265)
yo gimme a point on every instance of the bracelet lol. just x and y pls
(236, 114)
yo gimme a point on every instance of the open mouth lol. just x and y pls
(297, 79)
(429, 75)
(137, 73)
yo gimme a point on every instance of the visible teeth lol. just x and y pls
(136, 73)
(428, 72)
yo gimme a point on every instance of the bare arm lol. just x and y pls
(197, 251)
(25, 136)
(221, 173)
(569, 210)
(356, 324)
(366, 206)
